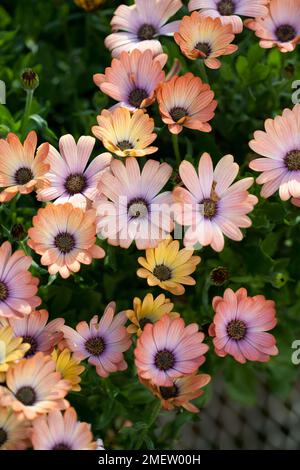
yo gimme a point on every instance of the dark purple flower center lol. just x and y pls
(144, 321)
(226, 7)
(75, 183)
(125, 145)
(178, 113)
(95, 346)
(61, 446)
(26, 395)
(236, 329)
(292, 160)
(169, 392)
(210, 208)
(65, 242)
(137, 96)
(3, 436)
(285, 33)
(146, 32)
(138, 208)
(33, 345)
(162, 272)
(3, 291)
(23, 175)
(204, 47)
(164, 359)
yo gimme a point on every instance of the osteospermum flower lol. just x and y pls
(17, 285)
(21, 171)
(126, 134)
(201, 37)
(14, 433)
(132, 79)
(186, 102)
(212, 206)
(240, 324)
(59, 431)
(229, 11)
(140, 25)
(148, 310)
(101, 341)
(130, 208)
(71, 180)
(181, 392)
(169, 267)
(65, 236)
(34, 388)
(11, 350)
(279, 146)
(168, 350)
(280, 27)
(36, 332)
(69, 367)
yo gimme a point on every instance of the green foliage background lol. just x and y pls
(65, 46)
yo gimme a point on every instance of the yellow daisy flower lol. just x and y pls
(126, 134)
(169, 267)
(148, 310)
(69, 368)
(11, 349)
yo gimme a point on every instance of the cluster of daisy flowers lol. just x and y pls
(118, 198)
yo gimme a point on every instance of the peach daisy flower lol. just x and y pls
(181, 392)
(280, 27)
(240, 324)
(126, 134)
(11, 349)
(58, 431)
(71, 180)
(69, 367)
(14, 433)
(65, 236)
(140, 25)
(148, 310)
(21, 171)
(18, 287)
(168, 350)
(36, 332)
(132, 79)
(201, 37)
(186, 102)
(129, 206)
(34, 388)
(169, 267)
(229, 11)
(279, 146)
(210, 205)
(295, 201)
(102, 341)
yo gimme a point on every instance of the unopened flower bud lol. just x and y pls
(89, 5)
(18, 232)
(219, 276)
(29, 79)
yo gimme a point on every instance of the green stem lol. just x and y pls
(29, 97)
(203, 72)
(176, 148)
(153, 417)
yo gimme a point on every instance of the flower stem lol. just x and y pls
(176, 148)
(153, 417)
(29, 97)
(203, 72)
